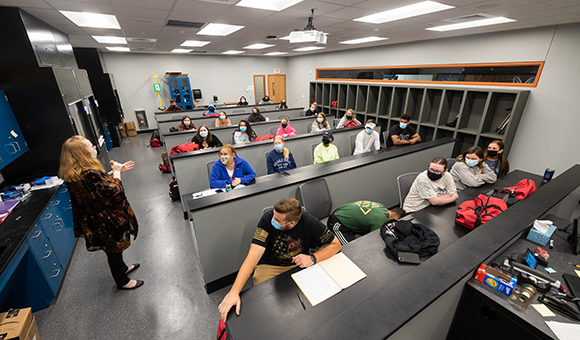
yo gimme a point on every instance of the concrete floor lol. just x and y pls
(172, 304)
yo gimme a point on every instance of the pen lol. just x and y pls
(299, 299)
(577, 265)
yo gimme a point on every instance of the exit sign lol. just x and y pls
(157, 87)
(276, 70)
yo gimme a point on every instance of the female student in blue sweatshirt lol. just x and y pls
(280, 159)
(230, 169)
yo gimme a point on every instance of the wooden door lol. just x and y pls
(259, 87)
(277, 87)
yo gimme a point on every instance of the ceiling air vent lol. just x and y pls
(141, 40)
(188, 24)
(470, 17)
(194, 51)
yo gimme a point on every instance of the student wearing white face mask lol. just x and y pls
(470, 170)
(204, 138)
(243, 101)
(367, 138)
(222, 120)
(186, 124)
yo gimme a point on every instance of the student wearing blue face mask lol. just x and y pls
(282, 240)
(320, 124)
(280, 159)
(244, 133)
(204, 138)
(403, 133)
(470, 170)
(367, 138)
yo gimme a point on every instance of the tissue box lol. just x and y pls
(541, 238)
(495, 279)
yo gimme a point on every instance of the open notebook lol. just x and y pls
(328, 278)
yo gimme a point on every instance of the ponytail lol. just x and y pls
(286, 153)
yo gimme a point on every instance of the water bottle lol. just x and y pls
(548, 175)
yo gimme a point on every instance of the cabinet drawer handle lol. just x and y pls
(38, 232)
(17, 146)
(47, 255)
(14, 149)
(57, 272)
(48, 217)
(58, 225)
(55, 202)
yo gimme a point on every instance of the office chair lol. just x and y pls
(209, 166)
(238, 111)
(302, 113)
(404, 182)
(335, 122)
(450, 162)
(352, 140)
(273, 130)
(213, 123)
(385, 137)
(308, 127)
(176, 117)
(313, 146)
(283, 116)
(315, 197)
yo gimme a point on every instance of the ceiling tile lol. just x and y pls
(562, 3)
(204, 8)
(25, 3)
(153, 4)
(320, 8)
(81, 6)
(350, 13)
(141, 12)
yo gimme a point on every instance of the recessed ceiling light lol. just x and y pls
(404, 12)
(110, 40)
(276, 53)
(272, 5)
(258, 46)
(470, 24)
(195, 43)
(180, 50)
(219, 29)
(118, 49)
(232, 52)
(86, 19)
(362, 40)
(309, 48)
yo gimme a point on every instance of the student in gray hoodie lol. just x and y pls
(470, 170)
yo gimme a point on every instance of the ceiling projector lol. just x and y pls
(308, 34)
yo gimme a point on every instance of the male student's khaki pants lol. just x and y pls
(264, 272)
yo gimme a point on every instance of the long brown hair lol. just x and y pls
(256, 117)
(504, 165)
(191, 125)
(75, 159)
(286, 151)
(324, 122)
(200, 138)
(478, 151)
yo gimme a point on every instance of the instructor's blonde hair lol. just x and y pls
(75, 158)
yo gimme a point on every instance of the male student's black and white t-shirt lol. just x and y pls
(403, 134)
(282, 245)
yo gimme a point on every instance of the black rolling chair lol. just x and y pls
(315, 196)
(405, 181)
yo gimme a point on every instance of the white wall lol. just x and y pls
(547, 134)
(228, 77)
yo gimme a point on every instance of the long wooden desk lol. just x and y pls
(196, 113)
(191, 172)
(370, 176)
(393, 296)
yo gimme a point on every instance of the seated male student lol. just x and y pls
(367, 138)
(403, 133)
(282, 241)
(360, 218)
(433, 186)
(173, 106)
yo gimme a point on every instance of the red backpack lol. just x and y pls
(334, 104)
(263, 137)
(155, 143)
(518, 192)
(351, 123)
(187, 147)
(473, 213)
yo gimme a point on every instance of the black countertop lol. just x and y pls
(15, 229)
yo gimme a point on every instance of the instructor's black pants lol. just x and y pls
(118, 268)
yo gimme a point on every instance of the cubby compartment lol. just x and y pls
(450, 106)
(463, 141)
(361, 98)
(443, 133)
(431, 105)
(399, 96)
(385, 100)
(326, 95)
(351, 96)
(333, 93)
(342, 88)
(414, 103)
(496, 117)
(313, 90)
(484, 142)
(473, 109)
(361, 118)
(318, 98)
(427, 133)
(373, 99)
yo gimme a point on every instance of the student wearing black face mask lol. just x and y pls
(265, 100)
(495, 159)
(433, 186)
(326, 151)
(282, 105)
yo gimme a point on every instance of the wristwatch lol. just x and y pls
(313, 258)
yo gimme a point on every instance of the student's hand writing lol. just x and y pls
(302, 260)
(236, 181)
(230, 300)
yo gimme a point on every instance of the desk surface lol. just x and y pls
(393, 293)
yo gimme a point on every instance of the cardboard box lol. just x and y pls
(19, 324)
(131, 133)
(495, 279)
(130, 125)
(541, 238)
(173, 74)
(123, 133)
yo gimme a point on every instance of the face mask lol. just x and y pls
(402, 125)
(491, 153)
(211, 109)
(223, 117)
(94, 153)
(276, 224)
(225, 159)
(348, 117)
(284, 125)
(471, 163)
(283, 102)
(203, 134)
(243, 128)
(243, 100)
(369, 131)
(326, 141)
(187, 123)
(320, 120)
(278, 147)
(433, 176)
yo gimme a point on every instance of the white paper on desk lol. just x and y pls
(542, 226)
(316, 284)
(343, 270)
(565, 331)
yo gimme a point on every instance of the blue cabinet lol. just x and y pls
(181, 91)
(12, 143)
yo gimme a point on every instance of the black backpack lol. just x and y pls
(406, 236)
(174, 191)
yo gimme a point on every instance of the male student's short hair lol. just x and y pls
(406, 117)
(372, 121)
(290, 207)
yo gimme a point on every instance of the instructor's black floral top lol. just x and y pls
(101, 212)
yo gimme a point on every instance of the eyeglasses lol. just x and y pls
(435, 171)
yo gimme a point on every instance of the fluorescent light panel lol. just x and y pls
(362, 40)
(86, 19)
(404, 12)
(271, 5)
(110, 40)
(276, 53)
(118, 49)
(232, 52)
(470, 24)
(195, 43)
(180, 50)
(258, 46)
(219, 29)
(309, 48)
